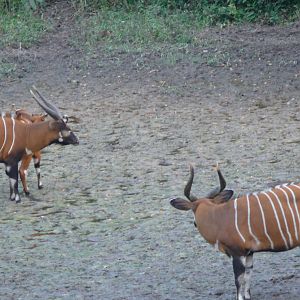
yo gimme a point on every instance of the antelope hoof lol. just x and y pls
(40, 186)
(248, 295)
(16, 198)
(27, 193)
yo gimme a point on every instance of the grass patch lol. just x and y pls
(155, 27)
(21, 29)
(150, 28)
(18, 30)
(6, 68)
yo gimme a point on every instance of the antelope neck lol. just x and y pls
(39, 136)
(206, 213)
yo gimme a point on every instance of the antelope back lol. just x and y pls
(12, 140)
(26, 117)
(273, 218)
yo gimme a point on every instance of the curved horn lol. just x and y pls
(50, 108)
(222, 181)
(188, 187)
(43, 106)
(49, 104)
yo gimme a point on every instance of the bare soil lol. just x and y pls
(102, 228)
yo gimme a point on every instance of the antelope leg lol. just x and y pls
(238, 263)
(12, 173)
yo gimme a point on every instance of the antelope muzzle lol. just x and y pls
(68, 138)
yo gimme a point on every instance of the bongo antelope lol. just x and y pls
(27, 118)
(264, 221)
(17, 138)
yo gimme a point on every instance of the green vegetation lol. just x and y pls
(170, 26)
(6, 68)
(141, 23)
(10, 6)
(133, 24)
(21, 29)
(149, 27)
(19, 26)
(211, 12)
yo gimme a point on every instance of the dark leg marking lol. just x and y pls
(239, 273)
(37, 166)
(248, 273)
(12, 173)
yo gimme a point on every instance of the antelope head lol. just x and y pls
(59, 124)
(217, 196)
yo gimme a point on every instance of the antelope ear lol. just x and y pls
(181, 204)
(223, 196)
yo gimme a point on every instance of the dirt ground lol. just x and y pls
(102, 227)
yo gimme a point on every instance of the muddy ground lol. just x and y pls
(102, 227)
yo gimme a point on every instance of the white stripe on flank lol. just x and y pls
(290, 208)
(4, 125)
(13, 134)
(284, 217)
(295, 201)
(249, 221)
(236, 220)
(277, 220)
(264, 221)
